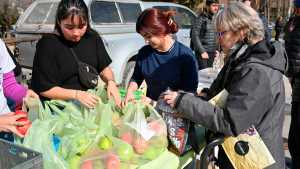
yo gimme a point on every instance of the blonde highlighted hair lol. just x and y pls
(238, 16)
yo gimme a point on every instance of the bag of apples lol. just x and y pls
(143, 129)
(108, 153)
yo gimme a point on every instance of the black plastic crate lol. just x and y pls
(13, 156)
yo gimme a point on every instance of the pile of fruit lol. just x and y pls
(71, 136)
(139, 136)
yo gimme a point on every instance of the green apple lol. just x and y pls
(82, 144)
(152, 152)
(74, 162)
(105, 143)
(125, 151)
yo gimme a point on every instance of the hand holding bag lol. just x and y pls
(88, 75)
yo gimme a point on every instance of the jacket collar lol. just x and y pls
(207, 14)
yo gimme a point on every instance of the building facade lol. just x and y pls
(271, 8)
(279, 8)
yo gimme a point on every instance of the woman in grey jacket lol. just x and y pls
(252, 76)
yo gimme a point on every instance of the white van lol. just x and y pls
(114, 20)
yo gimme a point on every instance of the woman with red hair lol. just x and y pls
(163, 62)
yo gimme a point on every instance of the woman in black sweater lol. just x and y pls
(55, 70)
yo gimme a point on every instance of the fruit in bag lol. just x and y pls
(74, 162)
(127, 137)
(157, 127)
(87, 165)
(81, 144)
(125, 151)
(105, 143)
(92, 164)
(112, 162)
(140, 145)
(152, 152)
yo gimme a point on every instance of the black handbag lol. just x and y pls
(88, 75)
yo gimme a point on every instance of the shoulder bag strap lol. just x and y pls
(75, 56)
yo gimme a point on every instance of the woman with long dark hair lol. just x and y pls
(55, 71)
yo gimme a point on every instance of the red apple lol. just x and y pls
(140, 145)
(23, 129)
(127, 137)
(87, 165)
(112, 162)
(20, 112)
(157, 127)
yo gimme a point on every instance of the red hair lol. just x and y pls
(156, 22)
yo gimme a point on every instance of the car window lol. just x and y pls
(162, 7)
(184, 18)
(104, 12)
(129, 12)
(38, 14)
(52, 14)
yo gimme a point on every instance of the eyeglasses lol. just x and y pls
(220, 34)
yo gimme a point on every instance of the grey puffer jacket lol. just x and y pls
(203, 34)
(256, 97)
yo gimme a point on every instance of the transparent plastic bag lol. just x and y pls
(39, 138)
(144, 129)
(93, 137)
(35, 109)
(109, 153)
(121, 155)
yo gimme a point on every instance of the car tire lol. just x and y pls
(127, 73)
